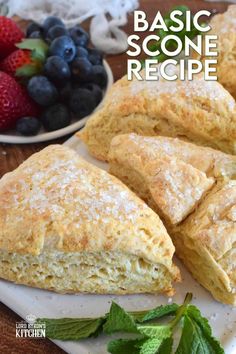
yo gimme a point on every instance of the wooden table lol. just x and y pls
(12, 155)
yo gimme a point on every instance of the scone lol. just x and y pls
(199, 111)
(170, 186)
(213, 162)
(187, 185)
(67, 226)
(206, 242)
(224, 26)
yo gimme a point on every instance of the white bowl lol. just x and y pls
(14, 138)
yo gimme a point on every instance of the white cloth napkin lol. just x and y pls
(107, 17)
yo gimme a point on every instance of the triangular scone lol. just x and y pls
(199, 111)
(213, 162)
(206, 242)
(68, 226)
(170, 186)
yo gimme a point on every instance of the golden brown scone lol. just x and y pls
(206, 242)
(213, 162)
(205, 236)
(68, 226)
(199, 111)
(224, 26)
(170, 186)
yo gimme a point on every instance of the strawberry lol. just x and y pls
(26, 61)
(14, 102)
(15, 60)
(10, 34)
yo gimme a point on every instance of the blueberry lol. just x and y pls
(28, 126)
(42, 90)
(81, 69)
(56, 117)
(35, 34)
(95, 91)
(63, 47)
(65, 92)
(79, 36)
(57, 69)
(56, 31)
(33, 27)
(82, 103)
(95, 56)
(50, 22)
(99, 75)
(82, 52)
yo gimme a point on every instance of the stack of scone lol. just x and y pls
(77, 228)
(192, 189)
(173, 144)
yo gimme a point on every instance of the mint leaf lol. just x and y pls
(134, 346)
(118, 320)
(121, 346)
(195, 314)
(153, 331)
(158, 312)
(72, 329)
(166, 346)
(193, 339)
(150, 346)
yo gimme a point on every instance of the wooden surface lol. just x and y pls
(12, 155)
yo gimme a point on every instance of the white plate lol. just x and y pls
(24, 300)
(14, 138)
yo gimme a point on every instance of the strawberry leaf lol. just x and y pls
(28, 70)
(38, 47)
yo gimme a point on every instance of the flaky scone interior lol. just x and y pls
(88, 272)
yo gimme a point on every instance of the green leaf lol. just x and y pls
(121, 346)
(195, 340)
(194, 313)
(118, 320)
(158, 312)
(38, 47)
(134, 346)
(72, 329)
(151, 346)
(166, 346)
(28, 70)
(154, 330)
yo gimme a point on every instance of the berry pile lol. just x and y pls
(52, 71)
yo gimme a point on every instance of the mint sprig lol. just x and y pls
(150, 337)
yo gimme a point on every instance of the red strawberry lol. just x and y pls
(14, 102)
(10, 34)
(15, 60)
